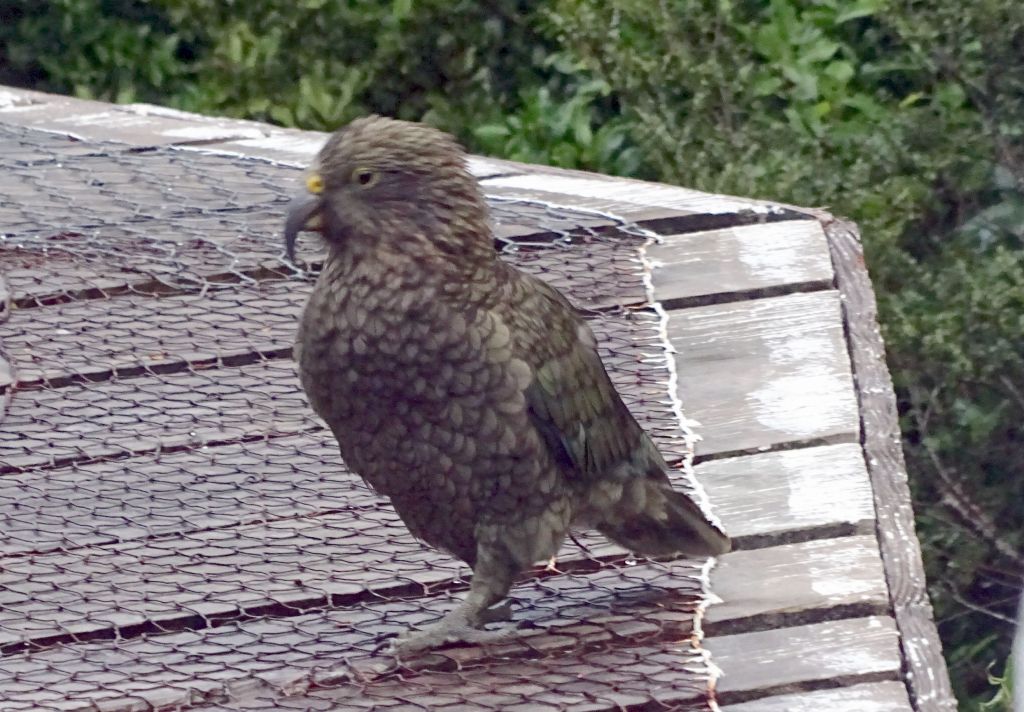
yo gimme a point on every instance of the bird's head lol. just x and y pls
(379, 180)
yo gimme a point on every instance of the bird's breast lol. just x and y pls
(358, 348)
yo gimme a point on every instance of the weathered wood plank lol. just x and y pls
(299, 148)
(745, 262)
(139, 334)
(132, 124)
(854, 651)
(880, 433)
(160, 494)
(120, 190)
(121, 417)
(797, 583)
(594, 275)
(788, 660)
(790, 495)
(613, 209)
(763, 373)
(209, 405)
(149, 125)
(116, 218)
(246, 247)
(868, 697)
(75, 278)
(635, 198)
(14, 97)
(181, 581)
(762, 500)
(23, 147)
(96, 223)
(288, 147)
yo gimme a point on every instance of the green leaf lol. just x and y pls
(401, 9)
(769, 43)
(234, 48)
(598, 87)
(581, 130)
(862, 8)
(911, 99)
(951, 95)
(565, 155)
(840, 70)
(821, 50)
(805, 82)
(491, 132)
(766, 85)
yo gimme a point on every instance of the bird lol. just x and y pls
(469, 393)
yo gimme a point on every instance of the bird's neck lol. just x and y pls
(413, 265)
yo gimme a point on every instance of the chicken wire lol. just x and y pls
(179, 530)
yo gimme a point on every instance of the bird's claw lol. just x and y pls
(429, 639)
(454, 628)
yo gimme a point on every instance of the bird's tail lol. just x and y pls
(655, 520)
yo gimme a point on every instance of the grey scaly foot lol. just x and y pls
(453, 628)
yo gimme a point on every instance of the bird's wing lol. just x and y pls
(571, 400)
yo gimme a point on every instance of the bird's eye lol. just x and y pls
(365, 177)
(314, 183)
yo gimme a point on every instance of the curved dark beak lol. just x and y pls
(303, 214)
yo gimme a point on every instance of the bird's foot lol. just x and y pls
(456, 627)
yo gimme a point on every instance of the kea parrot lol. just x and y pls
(468, 392)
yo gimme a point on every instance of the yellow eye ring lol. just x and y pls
(315, 183)
(365, 177)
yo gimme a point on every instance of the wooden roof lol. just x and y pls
(180, 533)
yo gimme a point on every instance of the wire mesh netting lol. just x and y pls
(179, 530)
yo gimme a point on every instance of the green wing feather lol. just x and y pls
(571, 399)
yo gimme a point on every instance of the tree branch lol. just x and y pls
(970, 516)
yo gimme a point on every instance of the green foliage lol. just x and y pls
(488, 74)
(311, 63)
(904, 115)
(117, 50)
(573, 133)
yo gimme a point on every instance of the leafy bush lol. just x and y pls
(571, 133)
(117, 50)
(906, 116)
(310, 63)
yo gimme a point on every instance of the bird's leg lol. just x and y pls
(492, 579)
